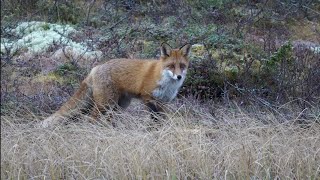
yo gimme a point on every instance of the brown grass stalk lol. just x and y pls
(191, 143)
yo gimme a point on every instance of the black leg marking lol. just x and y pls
(152, 107)
(124, 100)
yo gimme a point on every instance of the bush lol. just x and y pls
(241, 54)
(282, 77)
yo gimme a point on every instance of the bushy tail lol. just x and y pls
(80, 101)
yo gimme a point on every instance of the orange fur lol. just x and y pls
(117, 81)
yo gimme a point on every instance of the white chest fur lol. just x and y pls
(168, 86)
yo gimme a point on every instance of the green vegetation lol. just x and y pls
(241, 49)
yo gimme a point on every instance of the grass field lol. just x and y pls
(196, 142)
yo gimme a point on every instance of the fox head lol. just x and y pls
(175, 61)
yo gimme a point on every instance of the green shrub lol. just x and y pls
(70, 73)
(51, 11)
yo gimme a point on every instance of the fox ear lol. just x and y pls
(185, 49)
(165, 49)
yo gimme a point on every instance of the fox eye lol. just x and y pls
(171, 66)
(182, 66)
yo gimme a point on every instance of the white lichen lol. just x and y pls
(315, 49)
(37, 37)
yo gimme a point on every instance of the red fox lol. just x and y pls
(115, 82)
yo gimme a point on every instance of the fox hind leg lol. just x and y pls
(124, 100)
(105, 99)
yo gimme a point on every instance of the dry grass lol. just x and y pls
(234, 143)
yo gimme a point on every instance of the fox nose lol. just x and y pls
(179, 77)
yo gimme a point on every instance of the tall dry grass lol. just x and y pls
(195, 142)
